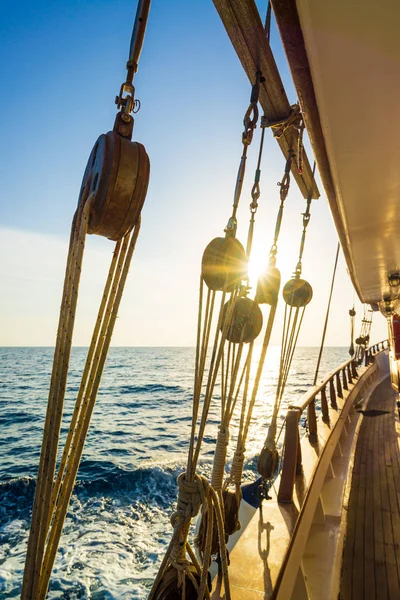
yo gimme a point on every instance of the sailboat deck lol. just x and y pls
(371, 558)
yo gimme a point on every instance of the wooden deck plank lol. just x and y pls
(379, 550)
(372, 547)
(357, 567)
(368, 476)
(392, 467)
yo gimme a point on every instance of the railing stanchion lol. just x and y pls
(349, 377)
(354, 369)
(324, 406)
(312, 422)
(339, 385)
(345, 386)
(290, 457)
(332, 393)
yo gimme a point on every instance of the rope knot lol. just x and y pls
(237, 466)
(220, 457)
(191, 495)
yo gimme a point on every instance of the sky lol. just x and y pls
(62, 66)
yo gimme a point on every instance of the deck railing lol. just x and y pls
(334, 384)
(372, 351)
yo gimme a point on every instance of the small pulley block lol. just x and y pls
(224, 264)
(118, 172)
(268, 286)
(267, 462)
(297, 292)
(246, 322)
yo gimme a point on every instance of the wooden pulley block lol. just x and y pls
(224, 264)
(118, 172)
(297, 292)
(268, 286)
(246, 322)
(267, 462)
(360, 341)
(231, 511)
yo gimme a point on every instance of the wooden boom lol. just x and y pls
(247, 34)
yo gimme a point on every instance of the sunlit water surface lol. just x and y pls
(118, 522)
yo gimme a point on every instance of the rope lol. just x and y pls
(297, 294)
(328, 308)
(306, 221)
(56, 396)
(250, 123)
(224, 361)
(87, 401)
(52, 497)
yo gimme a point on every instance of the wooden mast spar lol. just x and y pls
(245, 29)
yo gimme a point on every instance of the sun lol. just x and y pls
(259, 261)
(257, 264)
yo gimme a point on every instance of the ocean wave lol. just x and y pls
(156, 484)
(150, 388)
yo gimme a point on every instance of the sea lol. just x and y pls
(117, 527)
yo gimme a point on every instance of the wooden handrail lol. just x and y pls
(343, 378)
(311, 394)
(348, 368)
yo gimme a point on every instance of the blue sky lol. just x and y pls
(62, 65)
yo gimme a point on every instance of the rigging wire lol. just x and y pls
(297, 294)
(328, 308)
(224, 269)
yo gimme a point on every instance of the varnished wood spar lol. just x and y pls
(246, 32)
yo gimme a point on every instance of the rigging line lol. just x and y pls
(82, 387)
(98, 367)
(291, 356)
(267, 24)
(199, 315)
(255, 193)
(53, 417)
(200, 374)
(244, 375)
(250, 123)
(223, 393)
(214, 367)
(288, 353)
(326, 317)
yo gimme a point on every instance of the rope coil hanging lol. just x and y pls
(112, 195)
